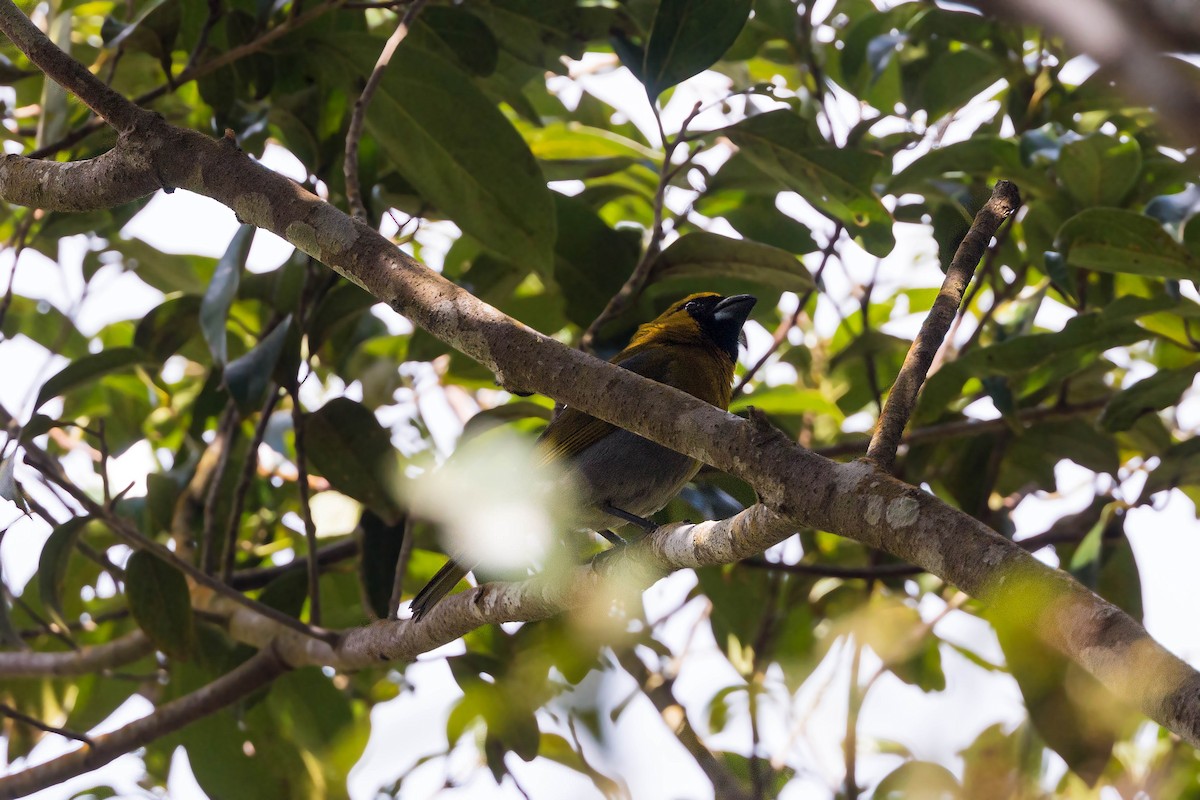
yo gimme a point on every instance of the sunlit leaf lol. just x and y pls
(218, 298)
(89, 369)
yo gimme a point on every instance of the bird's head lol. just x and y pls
(705, 317)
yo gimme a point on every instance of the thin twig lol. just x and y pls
(310, 530)
(969, 427)
(12, 713)
(49, 467)
(260, 670)
(17, 244)
(258, 577)
(785, 327)
(358, 116)
(850, 787)
(636, 281)
(902, 398)
(249, 467)
(52, 628)
(660, 690)
(227, 430)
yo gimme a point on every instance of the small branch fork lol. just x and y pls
(902, 399)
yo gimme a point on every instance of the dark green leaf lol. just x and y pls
(222, 289)
(592, 261)
(1099, 170)
(1159, 391)
(354, 452)
(980, 156)
(379, 551)
(955, 77)
(1179, 466)
(455, 33)
(835, 181)
(495, 193)
(89, 369)
(706, 257)
(52, 565)
(159, 600)
(248, 377)
(758, 219)
(688, 36)
(1115, 240)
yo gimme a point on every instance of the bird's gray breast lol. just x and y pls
(629, 472)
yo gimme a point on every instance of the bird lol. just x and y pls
(620, 477)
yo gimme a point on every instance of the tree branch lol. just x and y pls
(902, 398)
(86, 660)
(264, 667)
(661, 692)
(797, 487)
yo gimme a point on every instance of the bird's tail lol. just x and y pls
(437, 588)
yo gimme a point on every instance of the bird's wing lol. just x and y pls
(571, 433)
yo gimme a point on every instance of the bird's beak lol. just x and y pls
(732, 312)
(735, 307)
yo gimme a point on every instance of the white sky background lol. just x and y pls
(1166, 541)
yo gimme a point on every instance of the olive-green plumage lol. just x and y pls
(691, 346)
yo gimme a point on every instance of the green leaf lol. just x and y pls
(159, 600)
(168, 326)
(44, 324)
(52, 565)
(90, 368)
(496, 192)
(980, 156)
(955, 77)
(707, 257)
(9, 490)
(1179, 466)
(1115, 240)
(1161, 390)
(248, 377)
(354, 453)
(222, 289)
(166, 272)
(379, 551)
(919, 780)
(1071, 710)
(455, 33)
(1099, 170)
(835, 181)
(688, 36)
(592, 261)
(758, 219)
